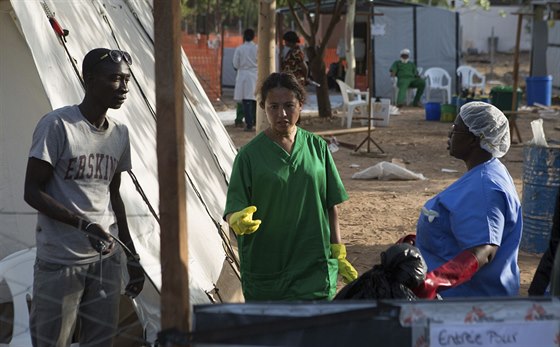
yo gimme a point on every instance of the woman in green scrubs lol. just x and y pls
(282, 204)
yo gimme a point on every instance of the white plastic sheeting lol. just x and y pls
(430, 33)
(387, 171)
(38, 75)
(553, 54)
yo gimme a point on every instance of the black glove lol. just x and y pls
(136, 276)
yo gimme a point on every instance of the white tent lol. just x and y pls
(39, 72)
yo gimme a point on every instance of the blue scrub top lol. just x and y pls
(482, 207)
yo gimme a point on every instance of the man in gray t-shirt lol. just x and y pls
(73, 179)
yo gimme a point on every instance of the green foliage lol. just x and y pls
(229, 11)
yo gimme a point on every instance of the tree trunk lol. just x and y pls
(316, 50)
(265, 53)
(318, 68)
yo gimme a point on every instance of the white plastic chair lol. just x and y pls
(467, 75)
(438, 79)
(411, 92)
(349, 106)
(17, 271)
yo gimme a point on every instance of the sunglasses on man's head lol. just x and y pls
(117, 56)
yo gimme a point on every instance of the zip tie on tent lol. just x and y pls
(99, 7)
(211, 297)
(61, 35)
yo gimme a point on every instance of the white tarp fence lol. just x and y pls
(429, 32)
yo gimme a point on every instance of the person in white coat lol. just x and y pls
(245, 63)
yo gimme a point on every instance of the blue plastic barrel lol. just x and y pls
(541, 181)
(433, 111)
(454, 100)
(539, 89)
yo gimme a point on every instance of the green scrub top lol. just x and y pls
(288, 257)
(404, 70)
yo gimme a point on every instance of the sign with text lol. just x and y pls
(378, 29)
(505, 334)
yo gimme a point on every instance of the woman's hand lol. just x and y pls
(242, 221)
(345, 269)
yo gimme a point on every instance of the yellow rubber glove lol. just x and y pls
(242, 221)
(345, 269)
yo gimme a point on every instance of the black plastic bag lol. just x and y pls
(402, 268)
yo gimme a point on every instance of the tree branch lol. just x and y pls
(335, 18)
(307, 36)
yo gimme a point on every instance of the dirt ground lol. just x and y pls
(380, 212)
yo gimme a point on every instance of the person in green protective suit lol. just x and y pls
(407, 77)
(282, 205)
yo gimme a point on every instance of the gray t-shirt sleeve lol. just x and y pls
(125, 161)
(48, 139)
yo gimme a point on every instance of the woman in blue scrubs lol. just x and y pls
(469, 233)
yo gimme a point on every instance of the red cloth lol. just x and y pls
(451, 274)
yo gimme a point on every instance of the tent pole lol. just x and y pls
(171, 166)
(369, 61)
(513, 120)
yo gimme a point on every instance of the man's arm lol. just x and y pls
(38, 173)
(235, 61)
(120, 212)
(135, 272)
(415, 70)
(484, 254)
(456, 271)
(393, 69)
(303, 64)
(304, 68)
